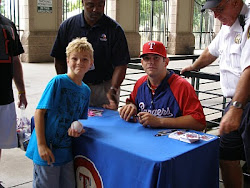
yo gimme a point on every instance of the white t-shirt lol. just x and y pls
(232, 46)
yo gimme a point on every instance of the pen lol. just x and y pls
(137, 116)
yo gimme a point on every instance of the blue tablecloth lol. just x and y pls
(127, 155)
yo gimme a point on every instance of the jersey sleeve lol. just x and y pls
(188, 100)
(18, 46)
(133, 94)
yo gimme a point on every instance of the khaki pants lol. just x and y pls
(99, 94)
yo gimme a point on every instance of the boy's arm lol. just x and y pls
(44, 152)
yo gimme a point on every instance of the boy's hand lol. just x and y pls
(46, 154)
(74, 133)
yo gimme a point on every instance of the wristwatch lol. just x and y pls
(237, 104)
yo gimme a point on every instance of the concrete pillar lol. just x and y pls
(39, 30)
(126, 13)
(181, 38)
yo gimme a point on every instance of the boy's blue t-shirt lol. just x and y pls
(65, 102)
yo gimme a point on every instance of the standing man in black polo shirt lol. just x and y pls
(111, 54)
(10, 68)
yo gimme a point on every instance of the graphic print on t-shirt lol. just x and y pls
(69, 111)
(6, 41)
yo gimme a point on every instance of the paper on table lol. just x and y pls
(176, 135)
(95, 112)
(189, 137)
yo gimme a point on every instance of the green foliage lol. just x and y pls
(145, 7)
(2, 7)
(158, 12)
(197, 14)
(73, 5)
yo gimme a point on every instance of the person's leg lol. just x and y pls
(231, 174)
(8, 134)
(98, 95)
(232, 150)
(0, 154)
(245, 131)
(67, 176)
(46, 176)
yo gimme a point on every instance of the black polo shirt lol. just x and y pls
(108, 41)
(10, 46)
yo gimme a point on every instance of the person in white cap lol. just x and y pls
(162, 99)
(232, 46)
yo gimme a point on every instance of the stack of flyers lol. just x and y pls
(95, 112)
(206, 137)
(176, 135)
(189, 137)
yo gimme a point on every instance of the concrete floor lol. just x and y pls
(15, 168)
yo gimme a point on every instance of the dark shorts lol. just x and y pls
(236, 144)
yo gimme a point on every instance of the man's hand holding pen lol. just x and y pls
(147, 119)
(129, 112)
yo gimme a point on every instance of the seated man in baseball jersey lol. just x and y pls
(162, 99)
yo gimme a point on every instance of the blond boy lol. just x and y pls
(65, 99)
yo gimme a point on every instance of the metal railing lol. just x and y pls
(11, 10)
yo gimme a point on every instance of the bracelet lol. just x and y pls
(21, 92)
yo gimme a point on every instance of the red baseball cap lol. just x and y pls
(154, 47)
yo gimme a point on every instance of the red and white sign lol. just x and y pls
(87, 175)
